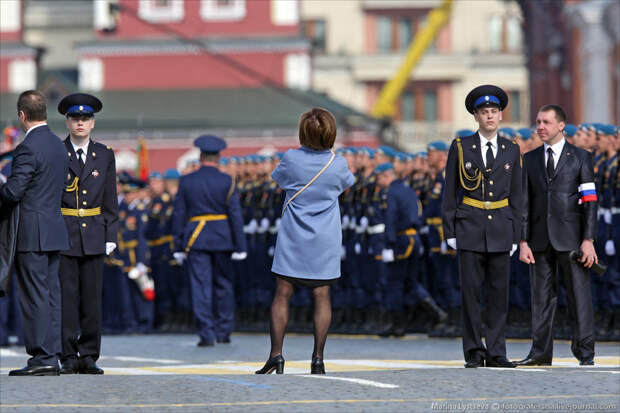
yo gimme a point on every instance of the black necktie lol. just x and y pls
(550, 164)
(79, 153)
(490, 155)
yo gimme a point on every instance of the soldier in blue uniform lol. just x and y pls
(615, 238)
(208, 231)
(90, 210)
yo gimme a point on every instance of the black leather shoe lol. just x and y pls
(88, 366)
(224, 340)
(205, 343)
(275, 363)
(317, 366)
(532, 362)
(36, 371)
(586, 362)
(475, 363)
(69, 367)
(500, 362)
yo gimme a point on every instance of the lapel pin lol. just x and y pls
(467, 165)
(95, 173)
(473, 146)
(507, 167)
(503, 146)
(567, 153)
(94, 154)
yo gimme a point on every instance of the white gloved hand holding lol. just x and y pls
(345, 221)
(607, 217)
(278, 220)
(239, 256)
(513, 249)
(271, 251)
(180, 257)
(264, 225)
(357, 248)
(424, 229)
(387, 255)
(251, 227)
(451, 242)
(363, 223)
(443, 248)
(610, 248)
(109, 247)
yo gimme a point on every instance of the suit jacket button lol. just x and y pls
(490, 217)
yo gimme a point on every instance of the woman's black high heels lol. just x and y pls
(275, 363)
(317, 366)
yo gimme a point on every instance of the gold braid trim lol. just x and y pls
(477, 178)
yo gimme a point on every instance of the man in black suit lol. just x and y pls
(90, 209)
(559, 216)
(36, 183)
(481, 210)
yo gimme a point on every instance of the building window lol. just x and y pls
(222, 10)
(10, 16)
(314, 30)
(404, 33)
(430, 105)
(284, 12)
(513, 112)
(90, 74)
(161, 11)
(297, 71)
(384, 33)
(505, 34)
(407, 107)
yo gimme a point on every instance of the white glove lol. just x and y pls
(239, 256)
(109, 247)
(357, 248)
(513, 249)
(452, 243)
(345, 221)
(363, 223)
(278, 220)
(387, 255)
(607, 217)
(343, 253)
(610, 248)
(443, 247)
(352, 223)
(421, 250)
(2, 179)
(424, 229)
(264, 224)
(251, 227)
(271, 251)
(180, 257)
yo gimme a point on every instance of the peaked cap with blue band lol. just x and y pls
(79, 104)
(486, 95)
(210, 144)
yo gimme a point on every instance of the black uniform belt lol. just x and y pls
(82, 212)
(485, 204)
(202, 219)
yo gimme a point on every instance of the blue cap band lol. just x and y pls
(80, 109)
(486, 99)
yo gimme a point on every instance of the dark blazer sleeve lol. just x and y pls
(449, 203)
(516, 196)
(110, 202)
(590, 209)
(236, 222)
(391, 214)
(22, 170)
(525, 211)
(178, 217)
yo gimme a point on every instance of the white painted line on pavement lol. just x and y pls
(133, 372)
(351, 380)
(5, 352)
(604, 371)
(141, 359)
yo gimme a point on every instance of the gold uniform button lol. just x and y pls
(83, 202)
(81, 214)
(490, 217)
(490, 193)
(491, 182)
(84, 223)
(84, 191)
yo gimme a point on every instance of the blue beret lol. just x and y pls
(486, 95)
(172, 174)
(224, 161)
(605, 129)
(461, 133)
(507, 133)
(367, 151)
(155, 175)
(400, 156)
(570, 130)
(422, 154)
(437, 146)
(79, 104)
(410, 156)
(386, 166)
(524, 133)
(386, 150)
(210, 144)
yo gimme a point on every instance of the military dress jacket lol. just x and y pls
(482, 207)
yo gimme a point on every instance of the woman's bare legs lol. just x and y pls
(279, 315)
(322, 318)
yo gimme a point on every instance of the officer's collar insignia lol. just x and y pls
(507, 167)
(467, 165)
(95, 173)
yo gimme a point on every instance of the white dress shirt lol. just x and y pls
(557, 151)
(34, 127)
(484, 148)
(84, 149)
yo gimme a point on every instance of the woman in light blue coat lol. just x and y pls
(309, 239)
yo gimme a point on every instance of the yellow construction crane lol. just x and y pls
(437, 18)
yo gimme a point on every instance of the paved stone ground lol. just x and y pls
(168, 373)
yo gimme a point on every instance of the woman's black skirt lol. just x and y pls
(306, 282)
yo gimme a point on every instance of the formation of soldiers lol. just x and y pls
(145, 290)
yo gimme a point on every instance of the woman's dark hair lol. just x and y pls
(317, 129)
(32, 103)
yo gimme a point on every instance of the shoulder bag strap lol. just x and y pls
(308, 184)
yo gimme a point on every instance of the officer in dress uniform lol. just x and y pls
(481, 217)
(90, 210)
(208, 231)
